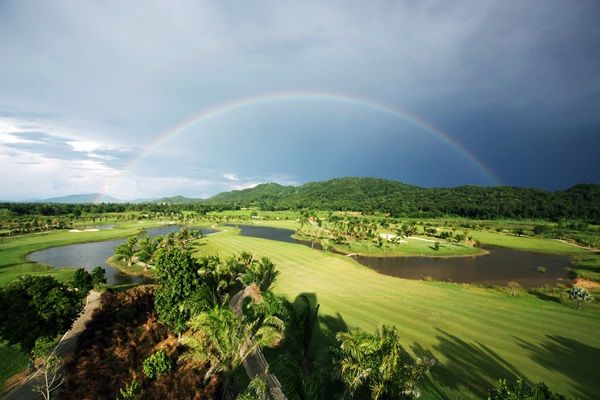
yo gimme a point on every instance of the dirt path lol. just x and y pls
(67, 344)
(578, 245)
(256, 364)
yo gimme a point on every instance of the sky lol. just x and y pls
(144, 99)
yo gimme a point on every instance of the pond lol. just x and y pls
(90, 255)
(498, 267)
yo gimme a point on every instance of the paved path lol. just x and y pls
(256, 364)
(68, 343)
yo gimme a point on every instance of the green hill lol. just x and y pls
(265, 192)
(397, 198)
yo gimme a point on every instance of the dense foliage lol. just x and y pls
(177, 273)
(83, 281)
(399, 199)
(156, 364)
(34, 307)
(368, 195)
(371, 366)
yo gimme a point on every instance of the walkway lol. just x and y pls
(256, 364)
(67, 344)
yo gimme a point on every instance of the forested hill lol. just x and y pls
(399, 199)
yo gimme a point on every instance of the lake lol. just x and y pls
(90, 255)
(498, 267)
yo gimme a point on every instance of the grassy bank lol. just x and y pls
(133, 269)
(416, 247)
(477, 335)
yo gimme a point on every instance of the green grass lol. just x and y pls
(587, 267)
(12, 361)
(134, 269)
(527, 243)
(477, 335)
(412, 247)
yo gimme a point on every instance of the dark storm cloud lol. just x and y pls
(515, 83)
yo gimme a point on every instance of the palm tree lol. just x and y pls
(126, 251)
(168, 241)
(219, 337)
(183, 236)
(262, 273)
(147, 248)
(371, 364)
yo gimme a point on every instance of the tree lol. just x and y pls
(183, 236)
(540, 229)
(82, 281)
(36, 307)
(519, 231)
(53, 376)
(177, 273)
(219, 337)
(579, 295)
(262, 273)
(147, 248)
(370, 365)
(126, 251)
(98, 276)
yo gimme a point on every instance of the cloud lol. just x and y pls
(84, 146)
(231, 177)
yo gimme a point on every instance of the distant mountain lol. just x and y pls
(173, 200)
(82, 199)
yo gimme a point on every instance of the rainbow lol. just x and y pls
(375, 105)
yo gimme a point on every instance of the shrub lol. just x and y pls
(156, 364)
(521, 390)
(130, 392)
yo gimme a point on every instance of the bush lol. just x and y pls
(521, 390)
(131, 391)
(158, 363)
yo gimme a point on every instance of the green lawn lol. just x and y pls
(477, 335)
(527, 243)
